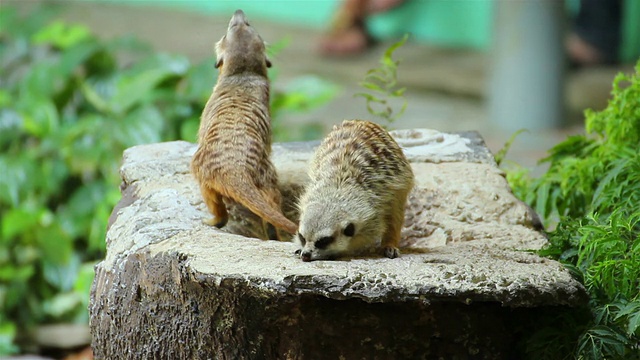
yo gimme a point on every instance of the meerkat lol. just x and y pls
(355, 200)
(233, 157)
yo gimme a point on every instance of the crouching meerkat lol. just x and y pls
(355, 200)
(232, 160)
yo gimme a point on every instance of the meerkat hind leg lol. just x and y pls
(273, 194)
(216, 206)
(271, 231)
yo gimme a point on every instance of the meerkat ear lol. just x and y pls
(266, 51)
(218, 47)
(301, 239)
(350, 230)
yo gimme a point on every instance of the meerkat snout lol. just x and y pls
(306, 256)
(238, 18)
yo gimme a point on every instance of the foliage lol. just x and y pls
(67, 111)
(299, 96)
(382, 86)
(500, 154)
(586, 171)
(68, 108)
(592, 192)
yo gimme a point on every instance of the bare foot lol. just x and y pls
(581, 52)
(351, 41)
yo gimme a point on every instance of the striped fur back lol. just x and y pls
(362, 153)
(235, 130)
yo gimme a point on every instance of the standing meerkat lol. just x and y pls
(232, 160)
(356, 197)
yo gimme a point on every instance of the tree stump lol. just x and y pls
(171, 287)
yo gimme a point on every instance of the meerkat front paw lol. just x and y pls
(391, 252)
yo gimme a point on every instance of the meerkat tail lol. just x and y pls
(256, 201)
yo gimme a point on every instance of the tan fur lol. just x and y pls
(359, 176)
(232, 160)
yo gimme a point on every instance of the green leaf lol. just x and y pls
(387, 58)
(62, 304)
(189, 129)
(634, 322)
(19, 220)
(76, 55)
(273, 50)
(199, 81)
(94, 98)
(42, 118)
(77, 215)
(398, 93)
(542, 196)
(83, 284)
(303, 93)
(97, 229)
(56, 246)
(142, 126)
(21, 273)
(40, 82)
(8, 332)
(62, 275)
(137, 88)
(371, 98)
(371, 86)
(62, 35)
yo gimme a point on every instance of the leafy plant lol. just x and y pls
(298, 96)
(502, 153)
(382, 86)
(591, 192)
(586, 170)
(67, 111)
(68, 108)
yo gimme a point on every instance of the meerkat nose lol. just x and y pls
(306, 256)
(239, 17)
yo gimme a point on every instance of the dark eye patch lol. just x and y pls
(302, 239)
(323, 242)
(350, 230)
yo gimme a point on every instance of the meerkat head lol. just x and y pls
(333, 226)
(241, 49)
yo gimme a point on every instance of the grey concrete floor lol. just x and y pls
(445, 87)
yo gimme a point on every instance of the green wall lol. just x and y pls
(444, 22)
(465, 23)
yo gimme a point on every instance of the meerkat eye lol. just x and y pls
(302, 239)
(350, 230)
(323, 242)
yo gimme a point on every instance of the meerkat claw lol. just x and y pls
(391, 252)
